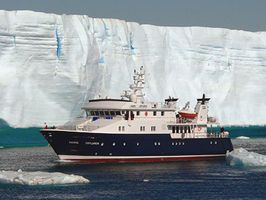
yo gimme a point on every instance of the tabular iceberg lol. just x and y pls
(51, 64)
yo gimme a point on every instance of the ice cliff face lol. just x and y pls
(51, 64)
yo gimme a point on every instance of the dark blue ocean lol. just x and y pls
(25, 149)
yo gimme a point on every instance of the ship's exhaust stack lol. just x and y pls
(202, 109)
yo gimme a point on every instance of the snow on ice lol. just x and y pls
(242, 157)
(51, 64)
(40, 178)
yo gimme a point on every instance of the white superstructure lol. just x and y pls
(131, 115)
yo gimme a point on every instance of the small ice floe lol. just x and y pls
(243, 138)
(242, 157)
(40, 178)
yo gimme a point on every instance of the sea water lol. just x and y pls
(242, 175)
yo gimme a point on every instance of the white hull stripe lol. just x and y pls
(70, 157)
(102, 132)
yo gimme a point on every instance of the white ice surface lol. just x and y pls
(51, 64)
(40, 178)
(242, 157)
(243, 138)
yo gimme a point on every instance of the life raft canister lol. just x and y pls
(146, 113)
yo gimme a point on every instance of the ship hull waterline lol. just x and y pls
(99, 159)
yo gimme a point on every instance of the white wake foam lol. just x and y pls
(243, 138)
(40, 178)
(242, 157)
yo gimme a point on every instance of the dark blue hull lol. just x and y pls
(97, 147)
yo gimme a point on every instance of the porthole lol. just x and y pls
(102, 144)
(215, 142)
(110, 154)
(124, 144)
(159, 143)
(173, 143)
(210, 142)
(179, 143)
(155, 143)
(113, 143)
(183, 143)
(137, 143)
(96, 154)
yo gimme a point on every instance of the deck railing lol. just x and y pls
(218, 134)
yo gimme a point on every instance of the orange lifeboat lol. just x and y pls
(187, 114)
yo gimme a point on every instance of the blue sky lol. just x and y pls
(247, 15)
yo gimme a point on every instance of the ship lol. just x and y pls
(128, 129)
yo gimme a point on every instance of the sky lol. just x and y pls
(249, 15)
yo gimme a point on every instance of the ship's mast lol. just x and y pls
(136, 94)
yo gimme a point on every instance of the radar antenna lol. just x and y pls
(136, 95)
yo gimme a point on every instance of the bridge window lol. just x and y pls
(117, 113)
(119, 128)
(137, 113)
(123, 128)
(162, 113)
(101, 113)
(153, 128)
(154, 113)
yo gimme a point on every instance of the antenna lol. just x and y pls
(137, 87)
